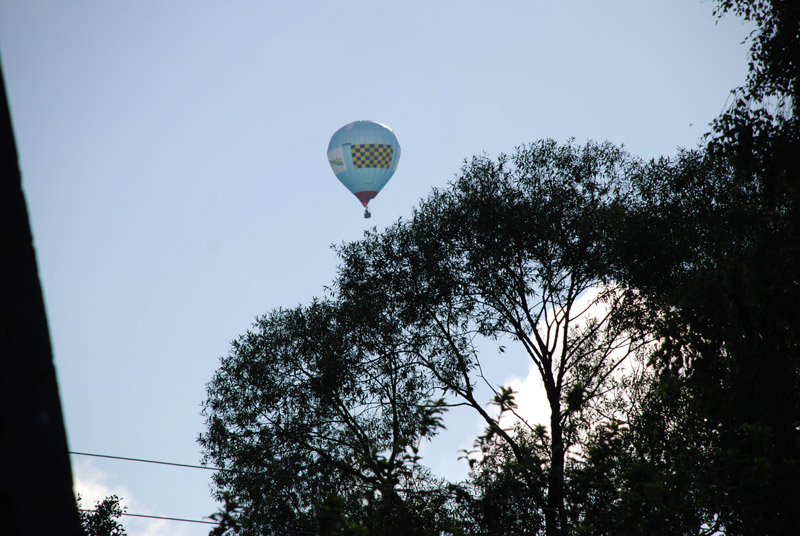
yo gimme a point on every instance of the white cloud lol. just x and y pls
(154, 527)
(94, 484)
(529, 394)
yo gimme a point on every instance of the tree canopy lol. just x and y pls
(656, 300)
(332, 399)
(103, 519)
(310, 412)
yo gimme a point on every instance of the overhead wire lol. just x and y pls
(211, 468)
(184, 465)
(142, 460)
(147, 461)
(174, 464)
(159, 517)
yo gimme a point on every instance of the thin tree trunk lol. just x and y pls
(555, 516)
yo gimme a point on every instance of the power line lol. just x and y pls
(162, 517)
(290, 531)
(207, 468)
(172, 519)
(147, 461)
(184, 520)
(186, 465)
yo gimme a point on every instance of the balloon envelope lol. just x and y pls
(364, 156)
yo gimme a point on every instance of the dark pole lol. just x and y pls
(36, 496)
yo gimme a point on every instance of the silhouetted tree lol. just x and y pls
(576, 258)
(313, 413)
(712, 242)
(508, 252)
(102, 520)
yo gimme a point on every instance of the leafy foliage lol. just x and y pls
(102, 520)
(773, 67)
(656, 300)
(722, 292)
(509, 252)
(310, 405)
(502, 502)
(711, 239)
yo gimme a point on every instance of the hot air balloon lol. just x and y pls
(364, 156)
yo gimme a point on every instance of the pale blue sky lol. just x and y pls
(174, 162)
